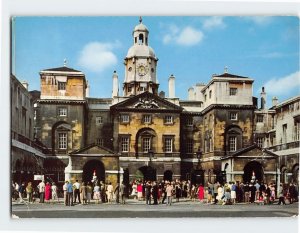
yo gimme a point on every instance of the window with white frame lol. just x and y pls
(146, 143)
(99, 120)
(168, 145)
(147, 119)
(62, 141)
(232, 143)
(61, 86)
(168, 119)
(190, 146)
(259, 142)
(100, 141)
(62, 111)
(124, 144)
(233, 91)
(233, 115)
(125, 118)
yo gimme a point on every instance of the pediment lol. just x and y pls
(93, 150)
(146, 101)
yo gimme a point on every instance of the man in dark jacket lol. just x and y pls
(148, 193)
(155, 193)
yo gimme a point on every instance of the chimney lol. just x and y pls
(25, 84)
(172, 86)
(263, 96)
(162, 94)
(274, 101)
(191, 94)
(87, 90)
(115, 91)
(199, 95)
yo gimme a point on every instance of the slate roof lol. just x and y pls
(63, 69)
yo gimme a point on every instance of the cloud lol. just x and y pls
(260, 20)
(214, 22)
(283, 85)
(188, 36)
(98, 56)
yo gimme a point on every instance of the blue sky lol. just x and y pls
(192, 48)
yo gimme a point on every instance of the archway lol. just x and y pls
(149, 173)
(168, 175)
(251, 167)
(90, 167)
(295, 176)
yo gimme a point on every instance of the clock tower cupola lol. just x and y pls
(140, 64)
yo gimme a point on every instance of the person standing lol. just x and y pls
(97, 193)
(48, 192)
(148, 193)
(247, 193)
(177, 192)
(83, 193)
(29, 191)
(103, 195)
(69, 194)
(41, 187)
(281, 195)
(163, 191)
(21, 192)
(110, 190)
(117, 193)
(233, 192)
(65, 187)
(89, 190)
(122, 193)
(155, 193)
(169, 191)
(139, 189)
(76, 186)
(54, 192)
(201, 193)
(134, 190)
(216, 186)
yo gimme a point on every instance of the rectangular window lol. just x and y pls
(260, 118)
(210, 94)
(284, 134)
(61, 86)
(297, 131)
(99, 120)
(189, 121)
(233, 91)
(168, 145)
(260, 142)
(147, 119)
(168, 119)
(100, 141)
(189, 146)
(146, 144)
(62, 111)
(125, 144)
(125, 118)
(232, 143)
(233, 116)
(62, 141)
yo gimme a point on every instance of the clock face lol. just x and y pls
(142, 69)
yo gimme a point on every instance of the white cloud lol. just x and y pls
(260, 20)
(283, 85)
(98, 56)
(214, 22)
(188, 36)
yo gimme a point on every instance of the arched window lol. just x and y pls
(233, 139)
(141, 39)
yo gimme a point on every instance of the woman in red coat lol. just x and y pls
(201, 192)
(47, 192)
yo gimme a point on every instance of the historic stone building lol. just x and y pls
(218, 134)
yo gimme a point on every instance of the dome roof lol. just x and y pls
(140, 50)
(141, 27)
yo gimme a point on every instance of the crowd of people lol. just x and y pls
(154, 192)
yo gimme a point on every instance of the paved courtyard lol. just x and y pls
(138, 209)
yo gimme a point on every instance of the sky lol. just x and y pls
(265, 49)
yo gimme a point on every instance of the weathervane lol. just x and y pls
(226, 69)
(140, 19)
(65, 62)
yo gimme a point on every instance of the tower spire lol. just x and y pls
(141, 20)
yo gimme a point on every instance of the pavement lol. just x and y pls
(138, 209)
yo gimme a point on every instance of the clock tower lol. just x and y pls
(140, 64)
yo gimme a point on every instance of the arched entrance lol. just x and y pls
(168, 175)
(90, 167)
(149, 173)
(251, 167)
